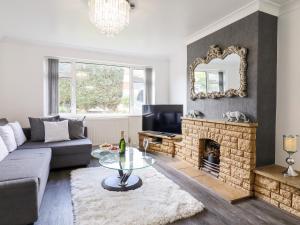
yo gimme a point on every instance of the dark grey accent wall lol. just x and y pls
(266, 97)
(242, 33)
(258, 33)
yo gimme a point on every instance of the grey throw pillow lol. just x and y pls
(38, 128)
(3, 122)
(76, 128)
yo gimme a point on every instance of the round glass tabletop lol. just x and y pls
(132, 159)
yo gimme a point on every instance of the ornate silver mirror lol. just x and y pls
(219, 74)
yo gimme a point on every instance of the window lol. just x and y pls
(86, 88)
(209, 81)
(138, 87)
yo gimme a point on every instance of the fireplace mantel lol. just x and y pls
(222, 122)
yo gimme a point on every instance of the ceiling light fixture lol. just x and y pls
(110, 16)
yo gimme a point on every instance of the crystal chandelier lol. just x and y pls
(110, 16)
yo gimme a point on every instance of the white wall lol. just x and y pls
(288, 80)
(178, 77)
(22, 78)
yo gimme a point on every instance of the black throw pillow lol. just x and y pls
(76, 128)
(38, 128)
(3, 122)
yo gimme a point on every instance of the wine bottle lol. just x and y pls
(122, 144)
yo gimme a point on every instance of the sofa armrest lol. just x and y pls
(19, 201)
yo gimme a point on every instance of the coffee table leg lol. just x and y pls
(121, 174)
(124, 178)
(123, 182)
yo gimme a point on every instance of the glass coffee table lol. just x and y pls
(133, 159)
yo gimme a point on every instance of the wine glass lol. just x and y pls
(145, 145)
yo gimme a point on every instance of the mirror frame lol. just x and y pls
(216, 52)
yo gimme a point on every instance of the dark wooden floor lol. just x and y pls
(56, 207)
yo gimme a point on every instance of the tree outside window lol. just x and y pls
(102, 89)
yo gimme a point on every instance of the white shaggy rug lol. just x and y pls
(159, 200)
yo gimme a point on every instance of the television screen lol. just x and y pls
(162, 118)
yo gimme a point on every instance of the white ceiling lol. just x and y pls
(157, 27)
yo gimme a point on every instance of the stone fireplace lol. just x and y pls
(237, 150)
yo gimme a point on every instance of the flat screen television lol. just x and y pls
(162, 118)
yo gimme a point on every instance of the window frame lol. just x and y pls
(73, 87)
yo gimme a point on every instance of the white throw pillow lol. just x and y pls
(3, 150)
(18, 132)
(8, 137)
(56, 131)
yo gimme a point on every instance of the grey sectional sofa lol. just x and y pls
(23, 178)
(64, 153)
(24, 174)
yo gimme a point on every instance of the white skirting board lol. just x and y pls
(108, 130)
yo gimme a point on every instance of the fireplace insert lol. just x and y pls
(211, 157)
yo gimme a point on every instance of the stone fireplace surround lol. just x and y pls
(237, 149)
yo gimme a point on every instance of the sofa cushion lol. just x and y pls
(78, 146)
(8, 137)
(3, 121)
(18, 132)
(3, 150)
(56, 131)
(76, 128)
(25, 164)
(37, 127)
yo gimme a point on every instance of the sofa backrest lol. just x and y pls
(27, 132)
